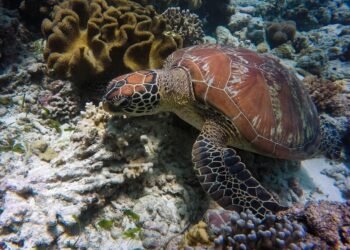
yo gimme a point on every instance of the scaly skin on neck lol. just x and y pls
(175, 89)
(177, 96)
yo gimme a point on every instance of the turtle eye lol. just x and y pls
(119, 84)
(124, 102)
(115, 85)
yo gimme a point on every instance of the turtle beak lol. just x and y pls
(105, 105)
(115, 105)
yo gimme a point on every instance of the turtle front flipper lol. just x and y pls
(223, 175)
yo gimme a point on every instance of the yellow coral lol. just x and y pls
(197, 235)
(103, 38)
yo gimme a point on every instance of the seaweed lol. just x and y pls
(55, 125)
(105, 224)
(134, 232)
(132, 215)
(9, 144)
(79, 226)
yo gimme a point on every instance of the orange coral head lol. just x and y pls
(136, 93)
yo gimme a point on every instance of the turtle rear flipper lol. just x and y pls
(223, 175)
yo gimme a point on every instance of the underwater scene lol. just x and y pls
(184, 124)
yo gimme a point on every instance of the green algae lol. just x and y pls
(132, 233)
(105, 224)
(9, 144)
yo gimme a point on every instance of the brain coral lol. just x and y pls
(101, 38)
(279, 33)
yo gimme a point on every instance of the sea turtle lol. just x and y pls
(235, 97)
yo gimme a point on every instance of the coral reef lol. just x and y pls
(80, 183)
(244, 231)
(280, 33)
(327, 223)
(225, 37)
(332, 102)
(55, 201)
(84, 180)
(333, 131)
(312, 14)
(327, 220)
(59, 101)
(186, 24)
(331, 43)
(331, 97)
(285, 51)
(255, 30)
(312, 60)
(12, 37)
(332, 38)
(238, 21)
(341, 174)
(162, 5)
(320, 225)
(90, 39)
(197, 235)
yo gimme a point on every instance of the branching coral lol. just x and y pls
(245, 231)
(330, 97)
(186, 24)
(86, 39)
(279, 33)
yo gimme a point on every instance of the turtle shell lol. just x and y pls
(269, 108)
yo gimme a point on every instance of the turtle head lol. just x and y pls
(135, 94)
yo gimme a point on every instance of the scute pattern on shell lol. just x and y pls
(265, 102)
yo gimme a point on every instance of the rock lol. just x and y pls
(209, 39)
(5, 100)
(48, 155)
(39, 146)
(238, 21)
(3, 111)
(255, 30)
(225, 37)
(313, 60)
(262, 48)
(285, 50)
